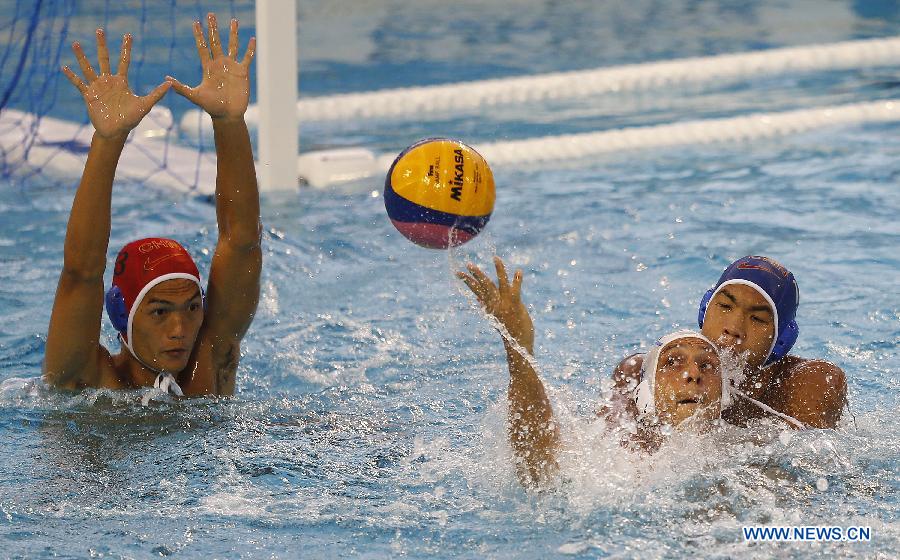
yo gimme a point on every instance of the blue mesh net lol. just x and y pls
(44, 130)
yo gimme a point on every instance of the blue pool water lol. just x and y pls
(369, 419)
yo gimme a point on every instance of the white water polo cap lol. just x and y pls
(645, 392)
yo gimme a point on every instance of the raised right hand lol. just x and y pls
(112, 107)
(502, 300)
(224, 91)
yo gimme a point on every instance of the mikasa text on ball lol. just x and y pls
(439, 193)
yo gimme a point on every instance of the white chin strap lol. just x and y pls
(644, 393)
(789, 419)
(165, 381)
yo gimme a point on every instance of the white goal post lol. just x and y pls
(276, 93)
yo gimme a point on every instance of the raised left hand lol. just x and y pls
(111, 105)
(224, 91)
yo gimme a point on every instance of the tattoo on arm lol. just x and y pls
(226, 368)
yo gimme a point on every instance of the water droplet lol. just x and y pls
(785, 437)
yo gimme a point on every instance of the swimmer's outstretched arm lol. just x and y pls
(73, 350)
(233, 291)
(533, 433)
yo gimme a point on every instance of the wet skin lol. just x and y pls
(166, 325)
(167, 332)
(688, 382)
(739, 319)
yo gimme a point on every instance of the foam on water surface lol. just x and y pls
(370, 417)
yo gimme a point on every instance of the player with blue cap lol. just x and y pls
(751, 312)
(776, 285)
(683, 385)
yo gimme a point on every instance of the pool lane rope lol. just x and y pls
(706, 131)
(60, 146)
(467, 96)
(328, 167)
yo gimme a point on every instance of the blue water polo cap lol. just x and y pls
(777, 285)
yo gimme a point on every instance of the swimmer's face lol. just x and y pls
(688, 381)
(739, 318)
(166, 324)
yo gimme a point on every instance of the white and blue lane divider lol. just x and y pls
(452, 98)
(59, 147)
(324, 168)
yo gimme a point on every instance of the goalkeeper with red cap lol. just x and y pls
(175, 334)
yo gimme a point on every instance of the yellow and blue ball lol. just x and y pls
(439, 193)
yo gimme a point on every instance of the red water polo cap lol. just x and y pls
(140, 266)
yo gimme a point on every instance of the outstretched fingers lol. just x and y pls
(75, 80)
(471, 283)
(125, 56)
(233, 39)
(154, 96)
(248, 56)
(102, 52)
(502, 278)
(86, 69)
(234, 45)
(215, 43)
(480, 276)
(181, 89)
(479, 283)
(200, 41)
(517, 285)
